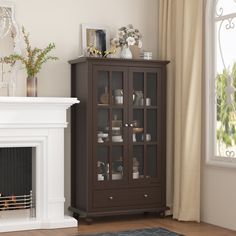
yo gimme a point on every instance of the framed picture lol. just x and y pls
(96, 36)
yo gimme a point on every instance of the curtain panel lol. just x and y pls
(181, 41)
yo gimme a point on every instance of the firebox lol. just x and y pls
(16, 178)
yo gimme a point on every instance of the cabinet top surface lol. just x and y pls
(116, 60)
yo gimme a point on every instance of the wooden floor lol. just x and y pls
(127, 223)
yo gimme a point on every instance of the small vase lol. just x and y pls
(126, 52)
(11, 88)
(31, 86)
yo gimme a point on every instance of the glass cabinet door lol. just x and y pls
(110, 115)
(145, 103)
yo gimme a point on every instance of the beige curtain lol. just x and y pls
(180, 41)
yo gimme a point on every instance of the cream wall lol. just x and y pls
(59, 21)
(219, 196)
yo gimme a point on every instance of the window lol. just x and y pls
(221, 82)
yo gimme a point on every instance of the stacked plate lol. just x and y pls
(146, 55)
(117, 138)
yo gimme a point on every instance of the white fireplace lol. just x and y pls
(38, 123)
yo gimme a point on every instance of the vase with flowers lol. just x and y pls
(32, 59)
(127, 36)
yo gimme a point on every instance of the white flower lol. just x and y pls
(128, 36)
(130, 41)
(115, 42)
(121, 34)
(140, 44)
(129, 31)
(130, 26)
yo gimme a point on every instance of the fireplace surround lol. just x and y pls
(38, 123)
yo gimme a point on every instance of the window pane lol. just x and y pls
(138, 162)
(102, 164)
(117, 163)
(225, 80)
(225, 7)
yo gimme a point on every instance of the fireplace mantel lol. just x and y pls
(38, 122)
(16, 112)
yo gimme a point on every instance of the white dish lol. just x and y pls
(104, 135)
(117, 138)
(116, 176)
(115, 128)
(100, 177)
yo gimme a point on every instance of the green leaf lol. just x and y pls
(34, 57)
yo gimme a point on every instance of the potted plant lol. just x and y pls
(32, 59)
(127, 36)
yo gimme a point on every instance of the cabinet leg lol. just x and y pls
(161, 214)
(89, 221)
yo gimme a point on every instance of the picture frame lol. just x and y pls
(96, 36)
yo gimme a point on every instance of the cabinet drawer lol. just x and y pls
(126, 197)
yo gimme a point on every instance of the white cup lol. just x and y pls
(135, 175)
(148, 137)
(119, 99)
(148, 101)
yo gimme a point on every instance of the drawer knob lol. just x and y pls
(111, 198)
(145, 195)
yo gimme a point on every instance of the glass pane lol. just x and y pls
(224, 7)
(103, 126)
(103, 88)
(151, 161)
(138, 162)
(117, 163)
(102, 163)
(151, 97)
(151, 134)
(117, 129)
(117, 88)
(225, 82)
(138, 88)
(138, 125)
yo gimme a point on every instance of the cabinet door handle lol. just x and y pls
(126, 125)
(111, 198)
(131, 125)
(145, 195)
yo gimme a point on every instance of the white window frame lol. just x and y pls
(210, 109)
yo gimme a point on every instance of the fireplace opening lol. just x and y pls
(16, 178)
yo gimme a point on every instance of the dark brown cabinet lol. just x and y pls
(118, 136)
